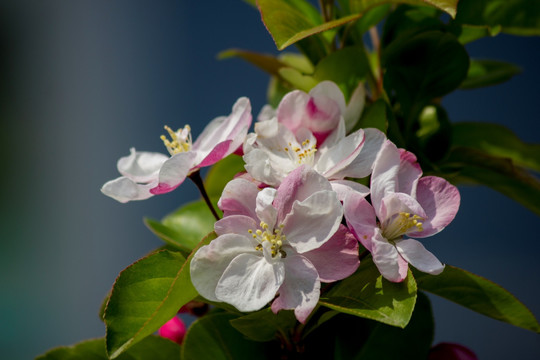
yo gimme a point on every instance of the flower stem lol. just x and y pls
(196, 178)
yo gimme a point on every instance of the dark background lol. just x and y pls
(83, 81)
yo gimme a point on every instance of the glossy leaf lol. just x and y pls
(488, 72)
(145, 296)
(496, 140)
(168, 235)
(469, 33)
(213, 338)
(517, 17)
(346, 67)
(152, 347)
(367, 294)
(263, 325)
(221, 173)
(478, 294)
(387, 342)
(374, 116)
(467, 165)
(287, 24)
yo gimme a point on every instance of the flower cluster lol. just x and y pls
(297, 216)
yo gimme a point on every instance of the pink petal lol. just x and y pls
(344, 187)
(387, 259)
(300, 290)
(174, 172)
(451, 351)
(239, 198)
(361, 218)
(416, 254)
(174, 330)
(440, 201)
(236, 224)
(396, 203)
(337, 258)
(291, 109)
(298, 185)
(337, 158)
(409, 173)
(220, 151)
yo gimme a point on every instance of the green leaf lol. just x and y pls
(267, 63)
(467, 165)
(388, 342)
(367, 294)
(517, 17)
(146, 295)
(221, 173)
(478, 294)
(191, 223)
(434, 134)
(263, 325)
(425, 66)
(288, 23)
(168, 235)
(496, 140)
(374, 116)
(488, 72)
(346, 67)
(297, 79)
(152, 347)
(213, 338)
(469, 33)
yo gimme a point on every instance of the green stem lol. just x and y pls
(196, 178)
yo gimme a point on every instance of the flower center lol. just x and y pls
(401, 224)
(274, 237)
(303, 154)
(180, 140)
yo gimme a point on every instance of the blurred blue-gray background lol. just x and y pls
(83, 81)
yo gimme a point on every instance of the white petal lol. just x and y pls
(300, 290)
(416, 254)
(384, 176)
(344, 187)
(259, 166)
(386, 258)
(210, 261)
(141, 166)
(355, 107)
(339, 156)
(174, 172)
(250, 282)
(265, 211)
(236, 224)
(313, 221)
(123, 189)
(239, 198)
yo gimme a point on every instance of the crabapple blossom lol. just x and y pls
(309, 129)
(283, 242)
(145, 174)
(403, 203)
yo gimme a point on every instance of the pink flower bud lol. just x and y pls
(174, 330)
(451, 351)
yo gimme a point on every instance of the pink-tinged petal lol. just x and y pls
(220, 151)
(313, 221)
(123, 189)
(387, 259)
(239, 198)
(333, 137)
(298, 186)
(250, 282)
(416, 254)
(361, 218)
(174, 172)
(300, 290)
(291, 109)
(409, 173)
(337, 258)
(174, 330)
(451, 351)
(396, 203)
(210, 261)
(267, 112)
(384, 175)
(265, 211)
(141, 166)
(362, 164)
(344, 187)
(440, 200)
(226, 129)
(355, 107)
(236, 224)
(338, 157)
